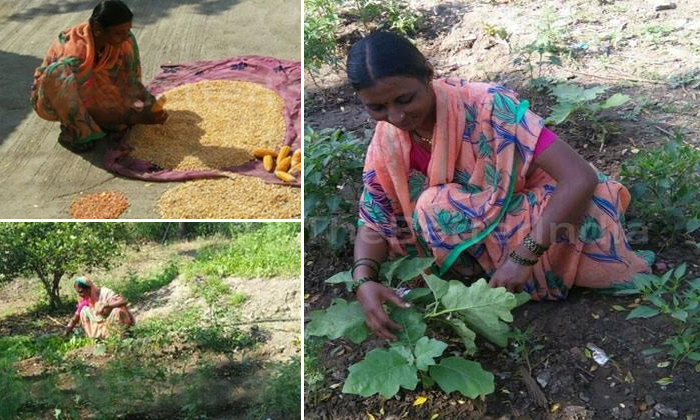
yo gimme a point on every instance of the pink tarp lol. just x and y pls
(282, 76)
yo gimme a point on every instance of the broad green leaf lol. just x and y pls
(680, 314)
(592, 93)
(694, 356)
(342, 277)
(482, 308)
(427, 349)
(436, 284)
(522, 298)
(465, 376)
(405, 352)
(413, 325)
(340, 319)
(415, 294)
(692, 225)
(412, 268)
(99, 350)
(643, 312)
(468, 336)
(388, 269)
(679, 272)
(615, 100)
(381, 372)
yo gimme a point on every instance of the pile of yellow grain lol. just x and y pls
(212, 125)
(101, 205)
(236, 197)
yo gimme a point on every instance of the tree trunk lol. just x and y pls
(54, 293)
(182, 229)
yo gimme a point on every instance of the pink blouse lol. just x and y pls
(420, 158)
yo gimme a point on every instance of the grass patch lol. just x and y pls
(134, 287)
(272, 250)
(282, 396)
(51, 348)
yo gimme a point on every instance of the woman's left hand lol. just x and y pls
(512, 276)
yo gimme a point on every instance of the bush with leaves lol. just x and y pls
(584, 103)
(13, 391)
(679, 298)
(54, 251)
(333, 162)
(465, 310)
(324, 19)
(664, 187)
(546, 49)
(282, 393)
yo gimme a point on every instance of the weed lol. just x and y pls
(573, 99)
(679, 298)
(314, 371)
(663, 183)
(134, 287)
(13, 392)
(282, 395)
(524, 345)
(689, 78)
(547, 48)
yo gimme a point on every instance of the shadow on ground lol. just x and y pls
(163, 8)
(15, 82)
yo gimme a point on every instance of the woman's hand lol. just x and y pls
(106, 309)
(512, 276)
(371, 296)
(146, 116)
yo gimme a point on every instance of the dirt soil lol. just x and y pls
(41, 178)
(629, 47)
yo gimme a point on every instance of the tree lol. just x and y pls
(52, 251)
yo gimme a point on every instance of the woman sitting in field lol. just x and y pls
(90, 80)
(100, 312)
(466, 173)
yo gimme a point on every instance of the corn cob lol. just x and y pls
(284, 164)
(295, 169)
(296, 157)
(159, 104)
(267, 163)
(284, 152)
(284, 176)
(262, 152)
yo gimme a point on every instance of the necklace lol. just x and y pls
(417, 136)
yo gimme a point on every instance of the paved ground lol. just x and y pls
(39, 177)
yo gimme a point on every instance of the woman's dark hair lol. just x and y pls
(385, 54)
(111, 13)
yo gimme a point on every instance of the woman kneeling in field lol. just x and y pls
(90, 80)
(466, 173)
(100, 312)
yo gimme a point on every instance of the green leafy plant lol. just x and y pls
(13, 391)
(134, 288)
(524, 345)
(689, 78)
(333, 162)
(321, 25)
(573, 99)
(664, 186)
(314, 371)
(465, 310)
(282, 393)
(677, 297)
(547, 48)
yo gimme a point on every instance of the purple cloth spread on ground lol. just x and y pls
(282, 76)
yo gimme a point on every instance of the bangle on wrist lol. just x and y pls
(359, 282)
(367, 262)
(520, 260)
(534, 247)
